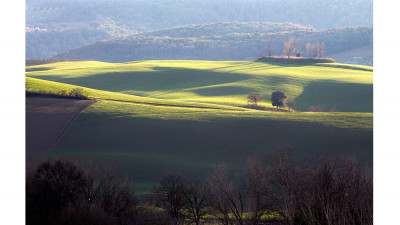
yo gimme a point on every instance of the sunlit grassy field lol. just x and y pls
(347, 87)
(157, 117)
(54, 87)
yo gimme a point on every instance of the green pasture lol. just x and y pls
(347, 87)
(149, 141)
(157, 117)
(54, 87)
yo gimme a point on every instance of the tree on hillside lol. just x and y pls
(269, 49)
(290, 103)
(288, 47)
(319, 47)
(253, 97)
(298, 54)
(278, 98)
(310, 49)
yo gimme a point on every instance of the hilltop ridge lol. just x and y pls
(233, 43)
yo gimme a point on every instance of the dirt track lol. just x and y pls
(47, 119)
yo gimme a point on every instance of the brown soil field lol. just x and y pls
(47, 119)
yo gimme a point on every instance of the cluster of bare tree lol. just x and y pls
(315, 50)
(289, 48)
(321, 191)
(273, 190)
(58, 192)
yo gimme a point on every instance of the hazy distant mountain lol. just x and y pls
(233, 43)
(56, 26)
(144, 15)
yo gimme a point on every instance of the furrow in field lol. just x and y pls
(47, 120)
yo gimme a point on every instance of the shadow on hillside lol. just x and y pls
(352, 67)
(163, 79)
(195, 146)
(223, 91)
(347, 97)
(37, 69)
(249, 66)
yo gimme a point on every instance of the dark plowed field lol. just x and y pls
(46, 121)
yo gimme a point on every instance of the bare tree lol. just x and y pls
(324, 199)
(320, 49)
(269, 49)
(336, 193)
(219, 207)
(170, 195)
(53, 186)
(286, 183)
(253, 97)
(224, 198)
(195, 202)
(358, 196)
(93, 185)
(310, 49)
(58, 192)
(117, 199)
(322, 191)
(288, 47)
(298, 54)
(258, 188)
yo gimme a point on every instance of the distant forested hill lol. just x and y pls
(226, 28)
(144, 15)
(225, 41)
(45, 42)
(66, 24)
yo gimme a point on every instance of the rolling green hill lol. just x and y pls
(349, 88)
(157, 117)
(150, 141)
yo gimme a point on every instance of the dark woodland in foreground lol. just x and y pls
(271, 190)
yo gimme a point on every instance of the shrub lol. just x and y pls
(76, 93)
(62, 93)
(290, 103)
(253, 97)
(79, 93)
